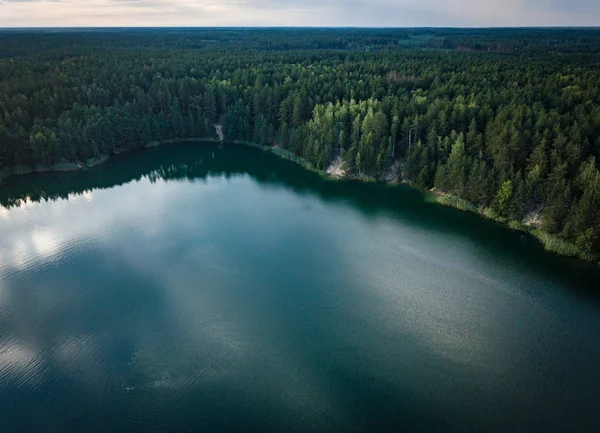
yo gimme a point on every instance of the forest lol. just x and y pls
(507, 120)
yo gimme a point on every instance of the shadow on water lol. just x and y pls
(197, 161)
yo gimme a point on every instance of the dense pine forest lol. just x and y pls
(506, 121)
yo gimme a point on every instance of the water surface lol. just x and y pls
(199, 287)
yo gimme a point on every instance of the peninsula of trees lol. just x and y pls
(506, 119)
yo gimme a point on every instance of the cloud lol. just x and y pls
(411, 13)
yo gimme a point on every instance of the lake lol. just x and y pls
(201, 287)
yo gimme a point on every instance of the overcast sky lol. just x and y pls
(388, 13)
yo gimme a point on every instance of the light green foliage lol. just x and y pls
(504, 195)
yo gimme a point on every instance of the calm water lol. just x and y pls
(200, 288)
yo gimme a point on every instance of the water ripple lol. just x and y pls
(20, 364)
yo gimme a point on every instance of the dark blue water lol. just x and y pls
(204, 288)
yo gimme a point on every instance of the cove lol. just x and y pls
(206, 287)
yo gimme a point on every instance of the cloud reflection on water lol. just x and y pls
(205, 346)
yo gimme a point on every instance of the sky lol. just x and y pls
(360, 13)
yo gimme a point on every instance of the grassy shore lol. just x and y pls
(551, 242)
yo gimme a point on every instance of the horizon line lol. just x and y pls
(299, 27)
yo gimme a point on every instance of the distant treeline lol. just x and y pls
(506, 119)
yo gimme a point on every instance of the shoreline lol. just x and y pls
(552, 243)
(20, 170)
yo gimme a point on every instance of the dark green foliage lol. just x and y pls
(499, 117)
